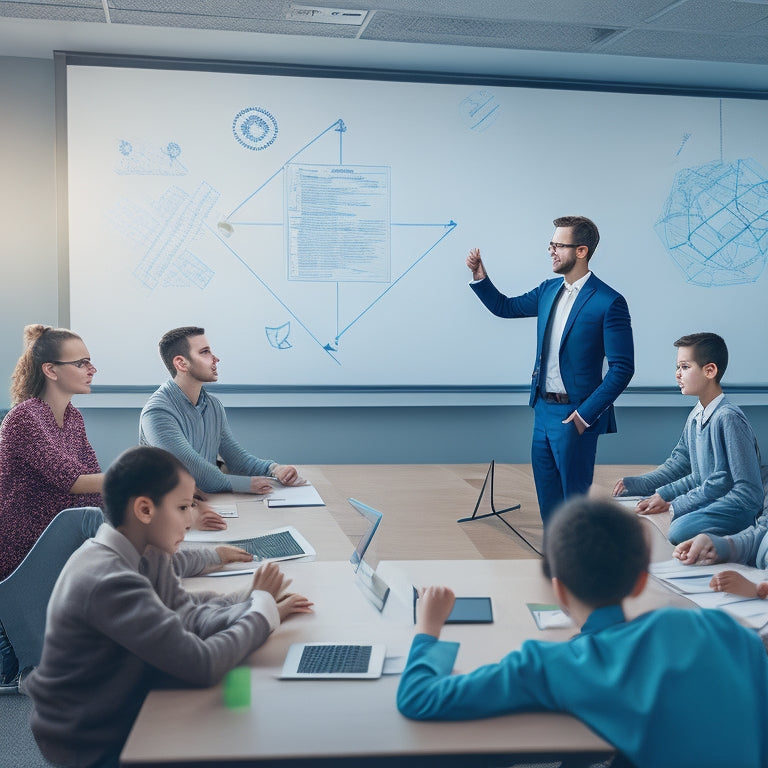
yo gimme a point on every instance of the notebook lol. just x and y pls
(329, 660)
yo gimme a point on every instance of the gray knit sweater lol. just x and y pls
(116, 622)
(197, 435)
(715, 466)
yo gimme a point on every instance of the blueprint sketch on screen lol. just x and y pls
(317, 227)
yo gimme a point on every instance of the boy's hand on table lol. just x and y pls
(290, 603)
(434, 606)
(269, 578)
(207, 518)
(733, 583)
(229, 554)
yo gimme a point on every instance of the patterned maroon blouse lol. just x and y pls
(39, 463)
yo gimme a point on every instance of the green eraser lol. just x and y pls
(237, 688)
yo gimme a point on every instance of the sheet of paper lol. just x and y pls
(693, 582)
(549, 616)
(295, 496)
(211, 537)
(628, 501)
(225, 510)
(673, 568)
(235, 569)
(394, 665)
(673, 571)
(712, 599)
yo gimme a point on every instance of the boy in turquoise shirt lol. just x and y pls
(651, 687)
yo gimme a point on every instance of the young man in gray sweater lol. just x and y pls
(711, 483)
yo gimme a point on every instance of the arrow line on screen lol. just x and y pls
(274, 295)
(448, 229)
(338, 126)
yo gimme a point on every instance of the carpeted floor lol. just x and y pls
(17, 746)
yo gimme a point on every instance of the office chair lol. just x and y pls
(24, 594)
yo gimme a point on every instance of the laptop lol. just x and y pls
(333, 661)
(329, 660)
(372, 518)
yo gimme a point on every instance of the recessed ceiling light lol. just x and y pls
(325, 15)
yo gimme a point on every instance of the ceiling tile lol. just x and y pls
(704, 47)
(710, 16)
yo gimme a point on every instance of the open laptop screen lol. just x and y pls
(372, 518)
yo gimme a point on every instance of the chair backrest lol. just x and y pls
(25, 593)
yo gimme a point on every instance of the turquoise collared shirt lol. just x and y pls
(671, 688)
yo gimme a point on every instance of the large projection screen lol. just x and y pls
(317, 226)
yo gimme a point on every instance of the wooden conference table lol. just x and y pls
(356, 722)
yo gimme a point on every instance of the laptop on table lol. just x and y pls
(329, 660)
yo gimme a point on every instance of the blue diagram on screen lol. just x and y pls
(714, 223)
(255, 128)
(321, 247)
(480, 110)
(140, 158)
(167, 233)
(278, 337)
(335, 232)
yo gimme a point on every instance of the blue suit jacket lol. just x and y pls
(598, 328)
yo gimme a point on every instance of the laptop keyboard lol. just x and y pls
(319, 659)
(280, 544)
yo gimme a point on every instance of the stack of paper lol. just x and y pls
(693, 582)
(549, 616)
(295, 496)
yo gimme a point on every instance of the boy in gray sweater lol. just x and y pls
(711, 482)
(119, 620)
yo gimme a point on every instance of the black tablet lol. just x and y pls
(466, 610)
(471, 610)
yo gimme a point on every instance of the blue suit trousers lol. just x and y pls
(563, 461)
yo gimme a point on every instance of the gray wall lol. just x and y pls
(27, 205)
(296, 434)
(413, 434)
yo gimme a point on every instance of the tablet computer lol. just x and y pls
(466, 610)
(471, 610)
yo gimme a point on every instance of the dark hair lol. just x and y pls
(139, 471)
(42, 344)
(584, 231)
(176, 342)
(707, 348)
(597, 549)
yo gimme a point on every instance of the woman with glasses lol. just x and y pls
(46, 461)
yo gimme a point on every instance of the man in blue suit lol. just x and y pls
(582, 322)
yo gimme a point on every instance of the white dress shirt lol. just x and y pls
(553, 381)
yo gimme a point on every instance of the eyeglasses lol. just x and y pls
(83, 362)
(560, 246)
